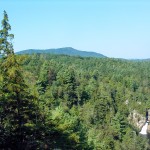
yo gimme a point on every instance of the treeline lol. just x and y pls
(69, 103)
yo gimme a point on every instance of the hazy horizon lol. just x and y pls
(118, 29)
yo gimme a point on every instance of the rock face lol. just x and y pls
(148, 128)
(137, 120)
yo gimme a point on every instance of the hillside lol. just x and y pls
(87, 103)
(65, 51)
(87, 98)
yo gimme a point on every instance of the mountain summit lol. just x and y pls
(65, 51)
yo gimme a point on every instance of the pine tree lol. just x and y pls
(18, 111)
(6, 46)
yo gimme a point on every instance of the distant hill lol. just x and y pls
(139, 60)
(66, 51)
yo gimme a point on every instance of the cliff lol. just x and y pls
(137, 120)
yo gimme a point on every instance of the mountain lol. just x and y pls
(66, 51)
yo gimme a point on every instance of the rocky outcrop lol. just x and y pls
(148, 129)
(137, 119)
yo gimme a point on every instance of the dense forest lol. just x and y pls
(70, 103)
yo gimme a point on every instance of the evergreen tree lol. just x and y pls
(6, 47)
(18, 112)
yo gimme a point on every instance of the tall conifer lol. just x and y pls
(18, 112)
(6, 46)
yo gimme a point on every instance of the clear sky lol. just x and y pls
(115, 28)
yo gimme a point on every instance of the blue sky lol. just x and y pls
(115, 28)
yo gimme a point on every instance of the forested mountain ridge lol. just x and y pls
(71, 52)
(65, 51)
